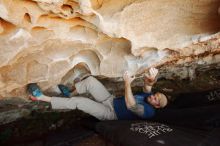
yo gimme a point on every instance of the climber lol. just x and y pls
(105, 106)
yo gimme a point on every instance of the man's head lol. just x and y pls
(158, 100)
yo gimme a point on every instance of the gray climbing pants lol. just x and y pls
(101, 107)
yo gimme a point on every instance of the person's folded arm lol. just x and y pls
(150, 79)
(143, 111)
(148, 84)
(137, 109)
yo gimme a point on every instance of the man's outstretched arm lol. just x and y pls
(150, 79)
(131, 104)
(129, 98)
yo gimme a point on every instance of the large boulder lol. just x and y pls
(43, 40)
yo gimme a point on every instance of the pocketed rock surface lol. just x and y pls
(43, 40)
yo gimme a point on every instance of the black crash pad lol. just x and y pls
(147, 133)
(193, 119)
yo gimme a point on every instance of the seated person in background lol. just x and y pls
(105, 106)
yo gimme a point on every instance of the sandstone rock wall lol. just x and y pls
(42, 40)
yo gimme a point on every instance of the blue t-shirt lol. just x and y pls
(125, 114)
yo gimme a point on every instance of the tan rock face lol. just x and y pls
(42, 40)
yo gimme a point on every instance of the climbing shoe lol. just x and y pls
(34, 90)
(64, 90)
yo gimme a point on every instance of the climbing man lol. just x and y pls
(105, 106)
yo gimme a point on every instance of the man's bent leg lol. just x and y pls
(94, 87)
(87, 105)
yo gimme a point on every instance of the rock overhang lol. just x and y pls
(41, 41)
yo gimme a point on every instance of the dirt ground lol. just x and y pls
(94, 140)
